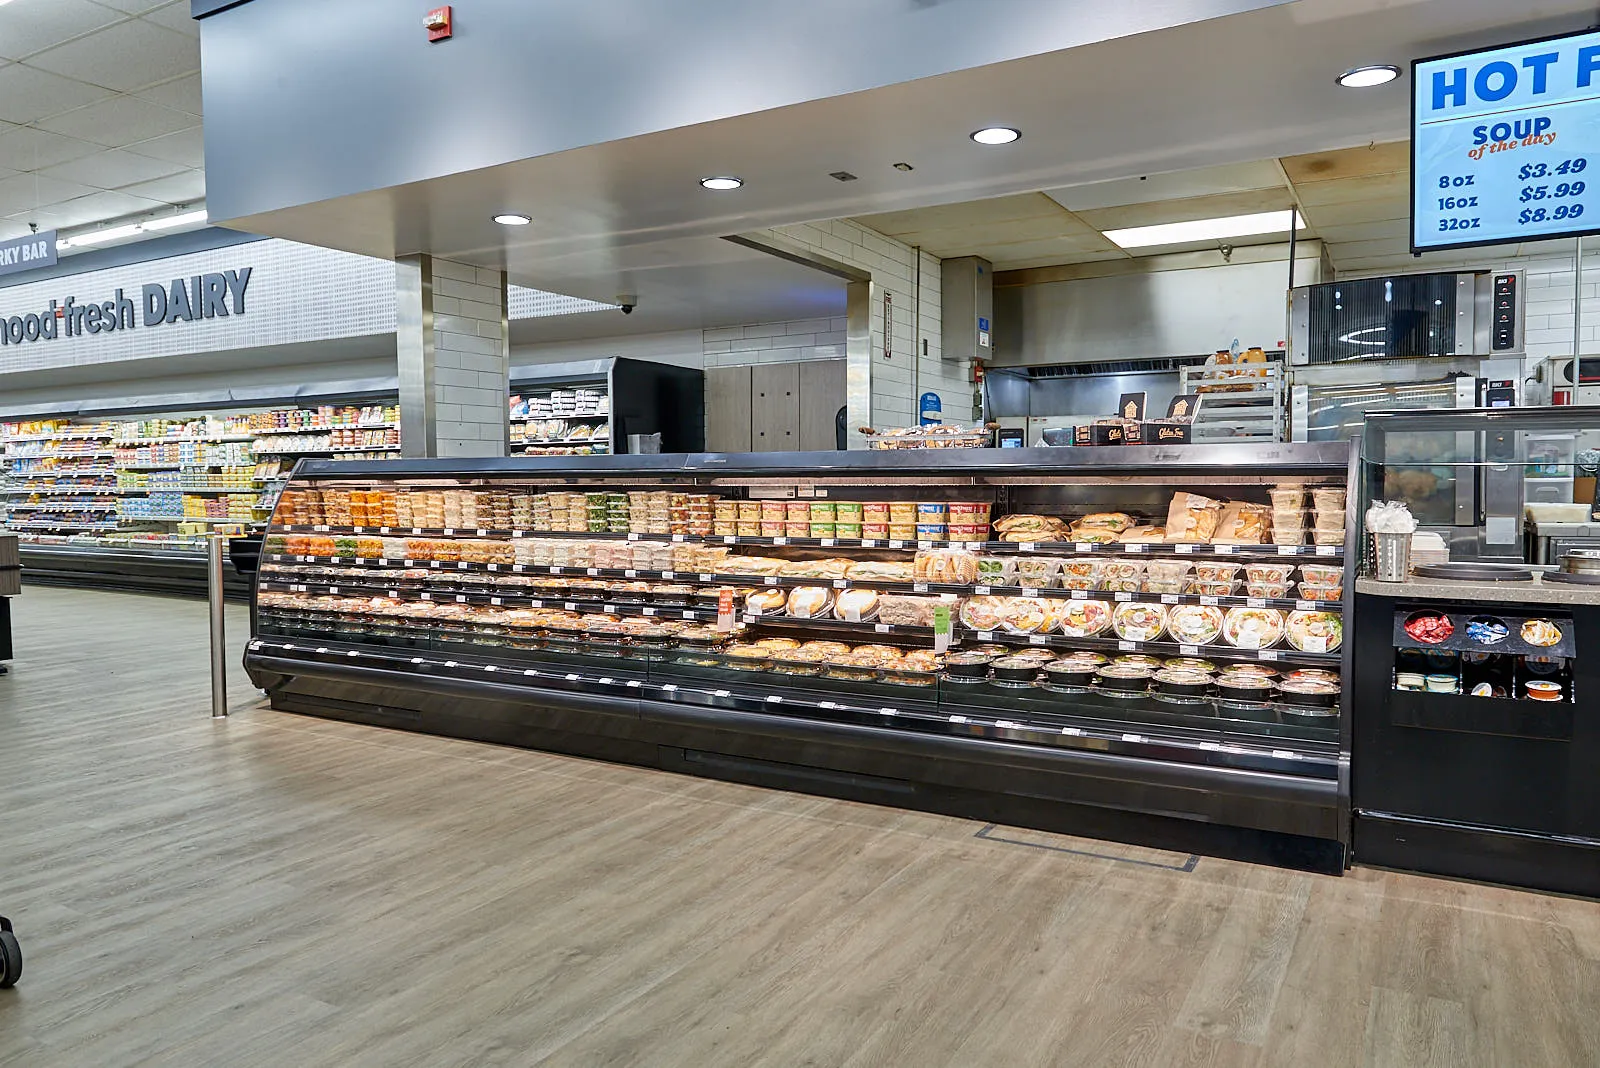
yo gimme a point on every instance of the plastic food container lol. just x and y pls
(1310, 694)
(1328, 537)
(1210, 572)
(1253, 628)
(1268, 589)
(1213, 589)
(1321, 593)
(969, 666)
(1410, 680)
(1070, 675)
(1015, 670)
(1124, 680)
(1085, 619)
(1177, 686)
(1268, 573)
(1540, 690)
(1322, 574)
(1137, 622)
(1315, 632)
(1193, 624)
(1287, 498)
(1327, 499)
(1430, 628)
(1541, 633)
(1245, 689)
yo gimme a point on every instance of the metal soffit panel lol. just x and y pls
(1092, 115)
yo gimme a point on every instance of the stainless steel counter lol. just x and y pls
(1535, 592)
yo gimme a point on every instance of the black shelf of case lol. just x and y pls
(791, 582)
(759, 693)
(1247, 553)
(817, 625)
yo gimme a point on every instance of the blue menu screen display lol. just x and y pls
(1505, 144)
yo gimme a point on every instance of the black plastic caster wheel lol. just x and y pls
(10, 960)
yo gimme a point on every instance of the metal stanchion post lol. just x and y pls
(219, 642)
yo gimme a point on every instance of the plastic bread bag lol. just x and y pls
(1390, 517)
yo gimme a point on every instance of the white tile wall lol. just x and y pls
(472, 369)
(894, 385)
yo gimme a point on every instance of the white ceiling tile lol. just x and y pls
(134, 7)
(1205, 181)
(34, 25)
(185, 187)
(112, 168)
(125, 56)
(27, 93)
(186, 147)
(26, 149)
(29, 191)
(175, 16)
(103, 205)
(119, 121)
(180, 94)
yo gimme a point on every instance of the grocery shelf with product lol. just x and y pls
(128, 502)
(1137, 643)
(1475, 748)
(592, 407)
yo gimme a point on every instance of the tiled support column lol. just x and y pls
(454, 352)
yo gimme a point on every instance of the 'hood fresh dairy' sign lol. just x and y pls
(26, 253)
(217, 295)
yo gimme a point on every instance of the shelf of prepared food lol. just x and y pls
(1199, 612)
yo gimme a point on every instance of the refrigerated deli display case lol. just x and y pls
(1139, 643)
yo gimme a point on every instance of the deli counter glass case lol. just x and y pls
(1140, 643)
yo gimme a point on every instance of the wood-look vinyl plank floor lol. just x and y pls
(281, 890)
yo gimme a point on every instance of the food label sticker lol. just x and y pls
(1189, 650)
(894, 544)
(668, 575)
(705, 578)
(1208, 600)
(730, 539)
(572, 606)
(482, 533)
(536, 603)
(1127, 647)
(555, 570)
(770, 581)
(416, 530)
(320, 527)
(1305, 606)
(924, 544)
(1288, 550)
(983, 591)
(383, 530)
(1169, 598)
(826, 704)
(1285, 754)
(1132, 738)
(881, 628)
(1183, 550)
(919, 587)
(725, 611)
(1080, 595)
(1255, 602)
(1038, 639)
(462, 565)
(396, 593)
(1225, 550)
(827, 543)
(752, 615)
(1269, 654)
(494, 567)
(1030, 591)
(1026, 546)
(941, 628)
(496, 600)
(425, 595)
(774, 699)
(869, 543)
(331, 589)
(1075, 731)
(609, 609)
(1314, 643)
(780, 541)
(1084, 547)
(593, 571)
(461, 598)
(519, 533)
(1325, 550)
(986, 635)
(1134, 548)
(633, 537)
(677, 538)
(630, 573)
(688, 615)
(1124, 597)
(958, 719)
(449, 530)
(650, 612)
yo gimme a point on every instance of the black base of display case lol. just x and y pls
(1252, 816)
(1487, 854)
(96, 568)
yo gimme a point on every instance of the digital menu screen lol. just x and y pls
(1505, 144)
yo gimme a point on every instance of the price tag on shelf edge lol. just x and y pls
(941, 628)
(1183, 549)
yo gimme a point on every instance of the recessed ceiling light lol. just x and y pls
(996, 135)
(509, 219)
(1266, 222)
(1372, 74)
(722, 182)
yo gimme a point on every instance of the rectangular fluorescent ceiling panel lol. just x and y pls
(1265, 222)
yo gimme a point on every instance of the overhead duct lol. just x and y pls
(967, 307)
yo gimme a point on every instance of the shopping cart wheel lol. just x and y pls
(10, 960)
